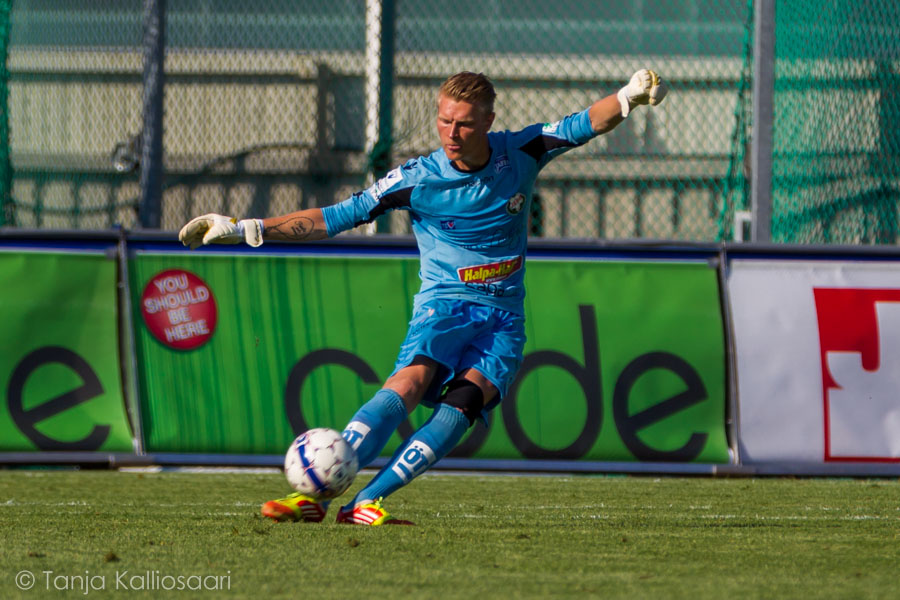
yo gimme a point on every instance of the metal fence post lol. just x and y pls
(152, 137)
(379, 90)
(763, 118)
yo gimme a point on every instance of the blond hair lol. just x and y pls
(475, 88)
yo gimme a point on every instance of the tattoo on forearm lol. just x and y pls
(298, 228)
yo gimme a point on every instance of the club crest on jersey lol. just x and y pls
(515, 204)
(490, 272)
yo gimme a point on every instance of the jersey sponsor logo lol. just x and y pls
(550, 127)
(501, 164)
(490, 272)
(386, 182)
(448, 225)
(515, 204)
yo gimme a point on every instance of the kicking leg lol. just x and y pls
(459, 407)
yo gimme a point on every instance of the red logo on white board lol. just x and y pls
(179, 309)
(859, 340)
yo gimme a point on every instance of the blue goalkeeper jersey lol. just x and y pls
(471, 227)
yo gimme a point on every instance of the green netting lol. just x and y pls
(836, 155)
(736, 185)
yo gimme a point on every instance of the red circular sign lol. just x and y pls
(179, 309)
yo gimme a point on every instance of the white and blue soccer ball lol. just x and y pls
(320, 464)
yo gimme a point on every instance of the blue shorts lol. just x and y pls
(461, 335)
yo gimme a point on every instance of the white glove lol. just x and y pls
(645, 87)
(216, 229)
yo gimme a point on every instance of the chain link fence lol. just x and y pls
(836, 131)
(836, 154)
(266, 108)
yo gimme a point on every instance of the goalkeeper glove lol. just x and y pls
(216, 229)
(645, 87)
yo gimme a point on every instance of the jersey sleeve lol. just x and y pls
(393, 191)
(544, 142)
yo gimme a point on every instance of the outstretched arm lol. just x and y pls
(302, 225)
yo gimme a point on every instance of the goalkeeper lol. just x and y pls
(469, 205)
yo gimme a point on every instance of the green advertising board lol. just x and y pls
(237, 353)
(625, 361)
(60, 371)
(282, 325)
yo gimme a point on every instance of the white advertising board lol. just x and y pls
(817, 349)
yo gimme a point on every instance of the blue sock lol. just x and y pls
(433, 440)
(372, 425)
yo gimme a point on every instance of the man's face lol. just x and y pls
(463, 128)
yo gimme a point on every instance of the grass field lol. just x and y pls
(110, 533)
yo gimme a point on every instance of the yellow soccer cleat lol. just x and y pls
(296, 507)
(368, 514)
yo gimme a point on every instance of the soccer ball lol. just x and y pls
(320, 464)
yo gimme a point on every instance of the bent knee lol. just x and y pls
(466, 396)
